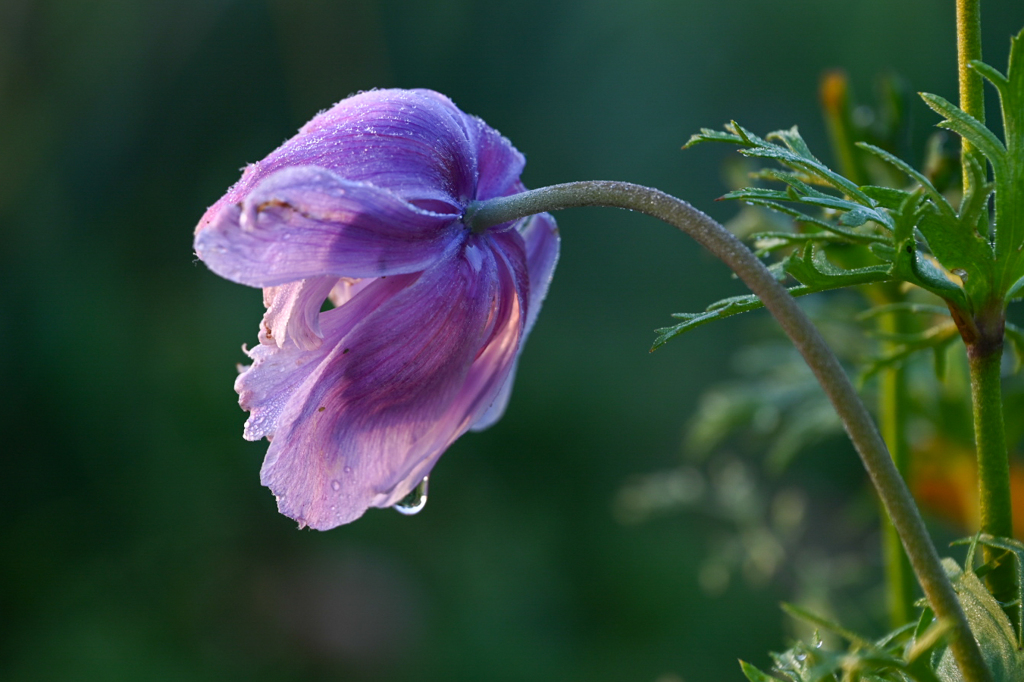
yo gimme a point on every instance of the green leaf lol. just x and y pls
(912, 266)
(991, 74)
(815, 273)
(709, 135)
(755, 675)
(812, 269)
(974, 205)
(791, 138)
(990, 626)
(813, 167)
(909, 170)
(1009, 181)
(757, 193)
(886, 197)
(825, 624)
(969, 128)
(825, 276)
(845, 234)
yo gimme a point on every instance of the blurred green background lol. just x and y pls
(137, 543)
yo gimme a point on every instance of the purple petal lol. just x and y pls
(308, 222)
(412, 142)
(267, 386)
(499, 163)
(540, 234)
(541, 241)
(398, 389)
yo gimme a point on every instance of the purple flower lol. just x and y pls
(364, 206)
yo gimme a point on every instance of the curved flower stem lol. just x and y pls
(805, 336)
(972, 90)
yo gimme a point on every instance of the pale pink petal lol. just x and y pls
(293, 312)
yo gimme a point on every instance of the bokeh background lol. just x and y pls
(135, 540)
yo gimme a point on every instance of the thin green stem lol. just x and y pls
(830, 374)
(892, 411)
(972, 87)
(993, 466)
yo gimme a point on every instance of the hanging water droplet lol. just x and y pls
(961, 273)
(414, 502)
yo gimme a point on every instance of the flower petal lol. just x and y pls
(265, 387)
(541, 242)
(293, 312)
(412, 142)
(499, 164)
(397, 390)
(308, 222)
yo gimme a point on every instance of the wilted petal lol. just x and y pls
(270, 383)
(308, 222)
(541, 242)
(397, 390)
(293, 312)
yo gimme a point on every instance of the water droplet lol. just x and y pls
(414, 502)
(348, 470)
(335, 485)
(961, 273)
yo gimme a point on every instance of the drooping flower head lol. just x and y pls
(364, 207)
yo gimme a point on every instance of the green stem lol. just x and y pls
(892, 411)
(830, 374)
(993, 466)
(972, 87)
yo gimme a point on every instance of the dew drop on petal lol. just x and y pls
(348, 470)
(415, 501)
(335, 485)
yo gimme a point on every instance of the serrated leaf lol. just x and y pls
(792, 139)
(743, 304)
(913, 173)
(886, 197)
(755, 675)
(798, 216)
(812, 269)
(812, 167)
(757, 193)
(709, 135)
(1009, 181)
(991, 74)
(974, 205)
(969, 128)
